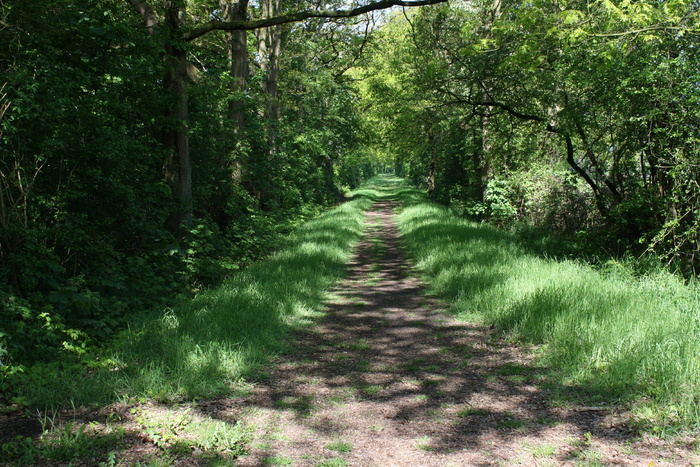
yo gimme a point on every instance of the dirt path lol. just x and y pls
(388, 379)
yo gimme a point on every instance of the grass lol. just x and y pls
(303, 405)
(278, 460)
(544, 451)
(424, 444)
(361, 345)
(178, 432)
(333, 462)
(372, 389)
(611, 335)
(174, 432)
(340, 446)
(511, 422)
(62, 444)
(205, 347)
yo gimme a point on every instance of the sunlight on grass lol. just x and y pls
(424, 444)
(605, 331)
(340, 446)
(224, 334)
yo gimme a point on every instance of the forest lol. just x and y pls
(152, 150)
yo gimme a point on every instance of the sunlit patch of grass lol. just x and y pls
(306, 379)
(333, 462)
(371, 389)
(277, 460)
(358, 302)
(423, 443)
(361, 345)
(178, 430)
(543, 451)
(605, 331)
(339, 446)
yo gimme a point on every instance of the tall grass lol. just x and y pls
(204, 347)
(615, 336)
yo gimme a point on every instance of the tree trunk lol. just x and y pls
(269, 45)
(269, 49)
(432, 168)
(237, 51)
(178, 168)
(485, 169)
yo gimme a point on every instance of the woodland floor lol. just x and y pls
(388, 378)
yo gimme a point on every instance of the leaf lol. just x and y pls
(571, 16)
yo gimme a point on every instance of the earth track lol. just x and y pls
(387, 378)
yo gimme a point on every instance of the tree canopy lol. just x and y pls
(574, 117)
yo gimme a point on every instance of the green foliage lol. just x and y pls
(499, 199)
(174, 432)
(62, 444)
(596, 103)
(203, 347)
(83, 195)
(340, 446)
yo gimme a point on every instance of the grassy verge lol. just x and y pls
(614, 337)
(200, 348)
(204, 348)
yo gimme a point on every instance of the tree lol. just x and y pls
(173, 20)
(612, 81)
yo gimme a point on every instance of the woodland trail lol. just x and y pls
(387, 378)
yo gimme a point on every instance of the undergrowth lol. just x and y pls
(612, 335)
(206, 347)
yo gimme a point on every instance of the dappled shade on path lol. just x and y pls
(388, 378)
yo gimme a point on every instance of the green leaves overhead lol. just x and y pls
(603, 90)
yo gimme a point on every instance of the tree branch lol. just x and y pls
(662, 28)
(508, 109)
(570, 159)
(296, 17)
